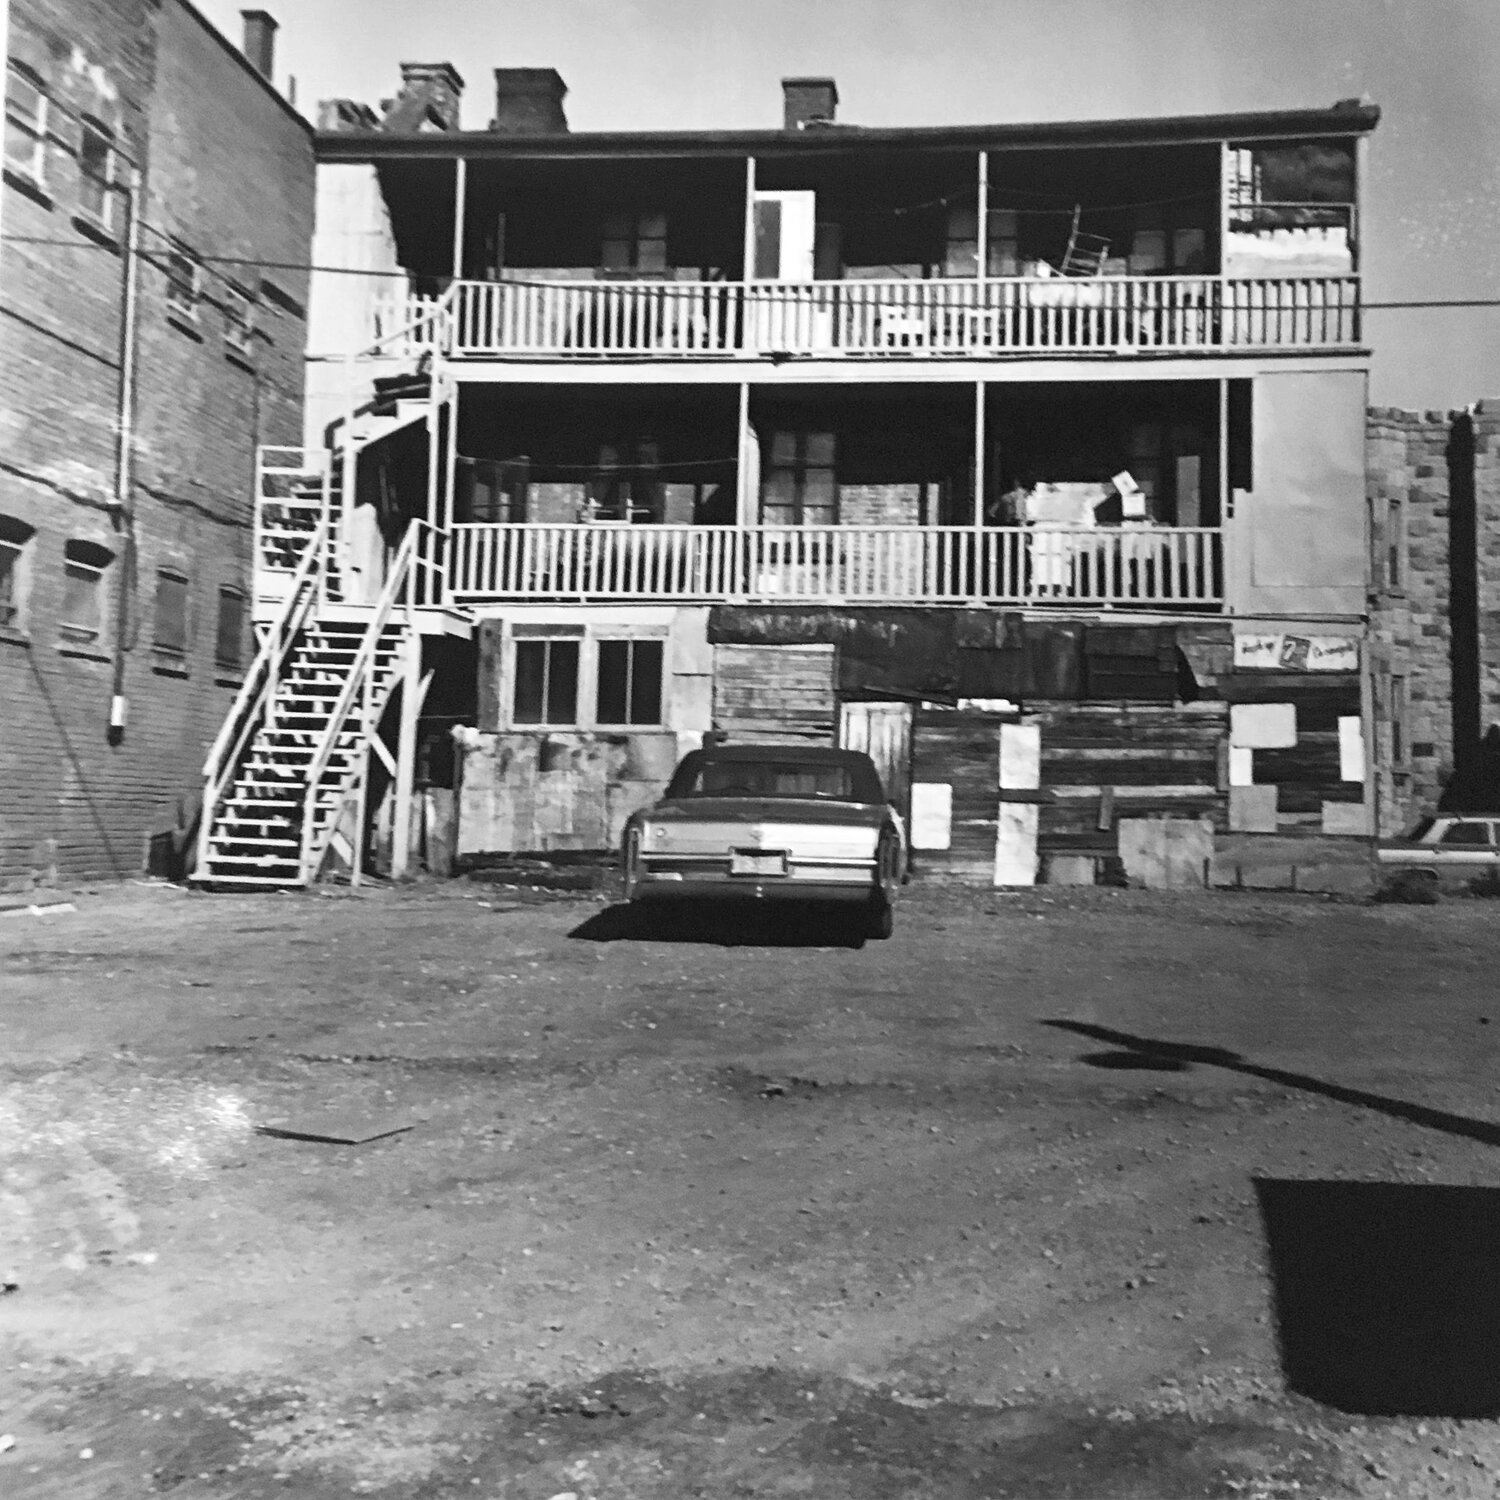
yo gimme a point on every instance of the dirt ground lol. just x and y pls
(1095, 1193)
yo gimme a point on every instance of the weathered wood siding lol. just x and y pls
(776, 693)
(961, 747)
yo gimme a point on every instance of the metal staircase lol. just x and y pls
(285, 781)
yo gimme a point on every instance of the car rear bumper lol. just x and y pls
(817, 884)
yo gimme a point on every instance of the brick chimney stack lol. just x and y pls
(260, 41)
(809, 102)
(435, 88)
(529, 101)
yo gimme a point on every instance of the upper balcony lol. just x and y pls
(1178, 239)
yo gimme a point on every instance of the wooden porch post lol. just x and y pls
(749, 267)
(446, 512)
(460, 190)
(744, 510)
(977, 584)
(406, 753)
(1226, 494)
(982, 238)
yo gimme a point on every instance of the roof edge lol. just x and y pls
(249, 67)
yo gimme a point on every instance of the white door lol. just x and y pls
(883, 732)
(789, 315)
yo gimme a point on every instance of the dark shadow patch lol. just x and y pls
(1483, 1131)
(1387, 1295)
(727, 924)
(1127, 1062)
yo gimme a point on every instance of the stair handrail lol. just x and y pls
(397, 583)
(257, 693)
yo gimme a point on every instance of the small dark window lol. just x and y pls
(84, 565)
(171, 633)
(229, 638)
(96, 171)
(1467, 833)
(768, 239)
(546, 682)
(15, 549)
(182, 282)
(630, 674)
(1395, 543)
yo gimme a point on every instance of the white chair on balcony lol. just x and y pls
(903, 328)
(1086, 253)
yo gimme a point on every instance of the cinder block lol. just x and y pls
(1252, 809)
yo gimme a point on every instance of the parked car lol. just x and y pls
(771, 823)
(1466, 841)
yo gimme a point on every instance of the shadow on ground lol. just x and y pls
(1387, 1294)
(1155, 1054)
(726, 925)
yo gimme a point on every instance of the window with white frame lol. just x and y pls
(26, 107)
(84, 567)
(183, 276)
(16, 541)
(239, 322)
(96, 171)
(629, 682)
(170, 632)
(545, 688)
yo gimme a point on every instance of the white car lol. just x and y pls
(1464, 841)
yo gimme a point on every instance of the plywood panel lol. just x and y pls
(775, 693)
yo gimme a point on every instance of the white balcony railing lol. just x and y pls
(1136, 566)
(903, 318)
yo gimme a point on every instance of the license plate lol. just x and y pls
(757, 862)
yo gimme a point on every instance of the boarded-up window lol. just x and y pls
(801, 487)
(776, 693)
(84, 564)
(171, 625)
(229, 637)
(546, 683)
(630, 678)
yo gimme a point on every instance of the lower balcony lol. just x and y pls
(1132, 567)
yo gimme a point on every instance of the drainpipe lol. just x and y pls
(122, 502)
(4, 76)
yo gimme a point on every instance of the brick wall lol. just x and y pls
(1485, 428)
(229, 170)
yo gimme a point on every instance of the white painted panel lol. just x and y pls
(1263, 726)
(1015, 843)
(1241, 765)
(1351, 749)
(1020, 756)
(931, 815)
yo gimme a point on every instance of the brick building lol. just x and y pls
(1434, 484)
(157, 214)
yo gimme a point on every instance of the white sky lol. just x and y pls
(1432, 197)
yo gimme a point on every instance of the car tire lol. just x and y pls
(880, 918)
(880, 915)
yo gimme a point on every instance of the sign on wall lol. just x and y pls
(1296, 653)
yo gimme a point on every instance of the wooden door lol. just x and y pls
(883, 732)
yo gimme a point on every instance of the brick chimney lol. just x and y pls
(429, 98)
(529, 101)
(809, 101)
(260, 41)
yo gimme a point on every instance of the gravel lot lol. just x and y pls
(1095, 1193)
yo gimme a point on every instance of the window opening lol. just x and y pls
(229, 638)
(239, 321)
(630, 682)
(634, 242)
(96, 171)
(84, 565)
(546, 685)
(182, 282)
(15, 543)
(1466, 833)
(26, 105)
(171, 612)
(800, 487)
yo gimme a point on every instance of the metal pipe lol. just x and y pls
(123, 501)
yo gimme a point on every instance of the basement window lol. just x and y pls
(84, 567)
(171, 624)
(229, 637)
(26, 106)
(16, 539)
(630, 682)
(546, 683)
